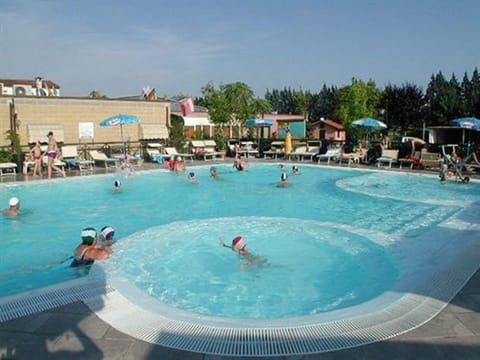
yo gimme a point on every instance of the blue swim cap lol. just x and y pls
(192, 174)
(108, 232)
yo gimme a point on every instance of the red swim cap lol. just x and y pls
(239, 243)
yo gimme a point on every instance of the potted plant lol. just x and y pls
(220, 140)
(17, 155)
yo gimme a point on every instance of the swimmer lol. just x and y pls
(295, 170)
(107, 234)
(192, 178)
(239, 244)
(283, 180)
(214, 173)
(88, 251)
(117, 186)
(13, 206)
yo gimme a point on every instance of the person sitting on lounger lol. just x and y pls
(13, 207)
(88, 251)
(239, 244)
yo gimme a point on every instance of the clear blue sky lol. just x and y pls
(178, 46)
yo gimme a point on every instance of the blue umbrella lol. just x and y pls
(120, 119)
(259, 122)
(369, 123)
(470, 123)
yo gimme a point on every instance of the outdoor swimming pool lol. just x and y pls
(335, 240)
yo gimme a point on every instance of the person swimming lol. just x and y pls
(88, 251)
(214, 172)
(295, 170)
(283, 180)
(117, 186)
(239, 244)
(13, 206)
(192, 178)
(107, 235)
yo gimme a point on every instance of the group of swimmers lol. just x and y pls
(93, 246)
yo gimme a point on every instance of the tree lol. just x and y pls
(402, 106)
(357, 101)
(324, 104)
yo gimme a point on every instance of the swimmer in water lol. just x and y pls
(239, 244)
(283, 180)
(117, 186)
(192, 178)
(214, 173)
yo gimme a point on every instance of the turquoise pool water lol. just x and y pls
(325, 237)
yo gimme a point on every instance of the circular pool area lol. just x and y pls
(306, 267)
(354, 256)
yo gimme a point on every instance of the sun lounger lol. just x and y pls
(57, 162)
(71, 158)
(389, 157)
(211, 150)
(173, 153)
(430, 160)
(8, 168)
(331, 154)
(101, 158)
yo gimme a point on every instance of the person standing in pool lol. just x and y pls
(239, 245)
(52, 153)
(89, 250)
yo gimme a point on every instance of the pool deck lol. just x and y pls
(74, 331)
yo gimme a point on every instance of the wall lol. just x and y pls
(69, 112)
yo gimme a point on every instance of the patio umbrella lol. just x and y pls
(470, 123)
(369, 123)
(120, 119)
(259, 122)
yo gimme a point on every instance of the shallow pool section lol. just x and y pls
(303, 267)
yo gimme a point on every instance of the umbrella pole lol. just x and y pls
(123, 142)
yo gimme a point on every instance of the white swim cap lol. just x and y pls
(13, 201)
(108, 232)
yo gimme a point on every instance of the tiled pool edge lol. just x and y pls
(406, 314)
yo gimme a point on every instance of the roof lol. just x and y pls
(11, 82)
(330, 123)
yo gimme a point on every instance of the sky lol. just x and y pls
(177, 47)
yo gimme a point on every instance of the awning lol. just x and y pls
(152, 131)
(196, 121)
(39, 133)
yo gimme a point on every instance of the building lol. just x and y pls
(36, 87)
(327, 129)
(75, 121)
